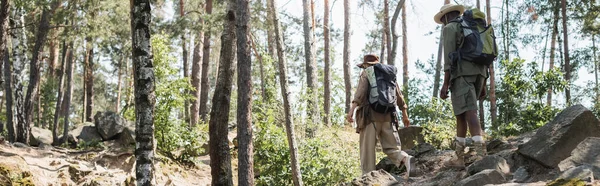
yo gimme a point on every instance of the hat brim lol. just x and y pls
(368, 63)
(438, 16)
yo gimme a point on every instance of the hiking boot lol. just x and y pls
(459, 161)
(480, 150)
(409, 163)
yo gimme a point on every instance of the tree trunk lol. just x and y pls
(220, 158)
(119, 82)
(8, 92)
(68, 93)
(186, 104)
(289, 126)
(196, 69)
(4, 16)
(383, 41)
(54, 54)
(404, 52)
(60, 75)
(386, 31)
(566, 50)
(89, 80)
(244, 88)
(311, 70)
(438, 65)
(395, 34)
(270, 33)
(144, 91)
(326, 57)
(19, 40)
(552, 52)
(595, 60)
(263, 83)
(34, 73)
(205, 67)
(346, 55)
(478, 5)
(492, 92)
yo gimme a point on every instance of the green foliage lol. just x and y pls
(324, 160)
(520, 98)
(174, 137)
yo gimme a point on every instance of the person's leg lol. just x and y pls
(367, 148)
(392, 148)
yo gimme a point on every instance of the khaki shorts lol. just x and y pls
(465, 92)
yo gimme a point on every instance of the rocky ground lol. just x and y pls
(566, 151)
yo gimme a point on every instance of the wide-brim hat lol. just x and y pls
(369, 59)
(447, 8)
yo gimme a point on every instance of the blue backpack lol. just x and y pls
(479, 43)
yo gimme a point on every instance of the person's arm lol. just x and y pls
(449, 41)
(359, 96)
(403, 107)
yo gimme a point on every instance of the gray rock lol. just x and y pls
(520, 175)
(86, 132)
(586, 153)
(554, 141)
(497, 145)
(489, 162)
(39, 135)
(19, 145)
(127, 136)
(380, 177)
(109, 124)
(444, 178)
(584, 172)
(489, 176)
(387, 165)
(423, 148)
(411, 136)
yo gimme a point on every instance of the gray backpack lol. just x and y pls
(382, 87)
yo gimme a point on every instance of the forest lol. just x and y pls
(261, 88)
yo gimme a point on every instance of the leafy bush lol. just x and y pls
(324, 160)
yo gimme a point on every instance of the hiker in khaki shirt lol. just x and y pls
(381, 127)
(465, 80)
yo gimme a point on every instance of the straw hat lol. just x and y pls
(447, 8)
(369, 59)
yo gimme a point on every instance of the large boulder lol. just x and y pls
(109, 124)
(554, 141)
(411, 136)
(379, 177)
(127, 137)
(586, 153)
(489, 162)
(584, 173)
(86, 132)
(489, 176)
(38, 136)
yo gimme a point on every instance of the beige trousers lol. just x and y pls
(368, 141)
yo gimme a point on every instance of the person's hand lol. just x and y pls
(349, 117)
(405, 121)
(483, 94)
(444, 92)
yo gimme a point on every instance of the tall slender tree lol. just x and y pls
(326, 57)
(60, 76)
(34, 71)
(89, 79)
(395, 35)
(492, 92)
(566, 51)
(404, 51)
(68, 95)
(185, 56)
(19, 58)
(220, 158)
(244, 109)
(4, 15)
(438, 64)
(8, 93)
(386, 31)
(196, 70)
(283, 81)
(311, 65)
(346, 55)
(205, 66)
(144, 91)
(553, 48)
